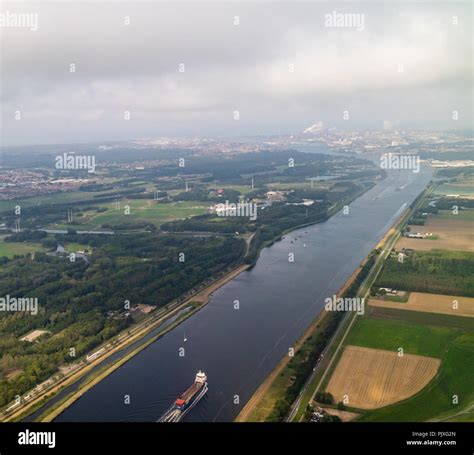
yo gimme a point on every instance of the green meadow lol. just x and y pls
(417, 339)
(10, 249)
(141, 210)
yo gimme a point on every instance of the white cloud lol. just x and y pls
(231, 67)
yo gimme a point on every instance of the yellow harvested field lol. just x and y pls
(373, 378)
(453, 234)
(431, 303)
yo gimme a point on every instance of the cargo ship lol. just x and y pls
(187, 400)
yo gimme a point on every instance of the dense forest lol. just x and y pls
(76, 298)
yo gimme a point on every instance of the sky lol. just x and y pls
(208, 69)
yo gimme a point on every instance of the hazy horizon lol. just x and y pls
(250, 69)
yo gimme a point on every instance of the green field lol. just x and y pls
(454, 346)
(464, 416)
(10, 249)
(436, 400)
(326, 184)
(141, 210)
(243, 189)
(466, 324)
(457, 188)
(75, 247)
(417, 339)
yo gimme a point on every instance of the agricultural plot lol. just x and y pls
(373, 378)
(431, 303)
(413, 337)
(435, 322)
(463, 323)
(463, 188)
(447, 397)
(453, 232)
(437, 336)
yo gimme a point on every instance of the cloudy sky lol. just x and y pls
(278, 64)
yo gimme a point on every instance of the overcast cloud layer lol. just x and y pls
(230, 67)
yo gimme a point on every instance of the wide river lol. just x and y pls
(278, 299)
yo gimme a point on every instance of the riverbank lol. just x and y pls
(248, 412)
(197, 301)
(273, 387)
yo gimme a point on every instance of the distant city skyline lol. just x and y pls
(118, 71)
